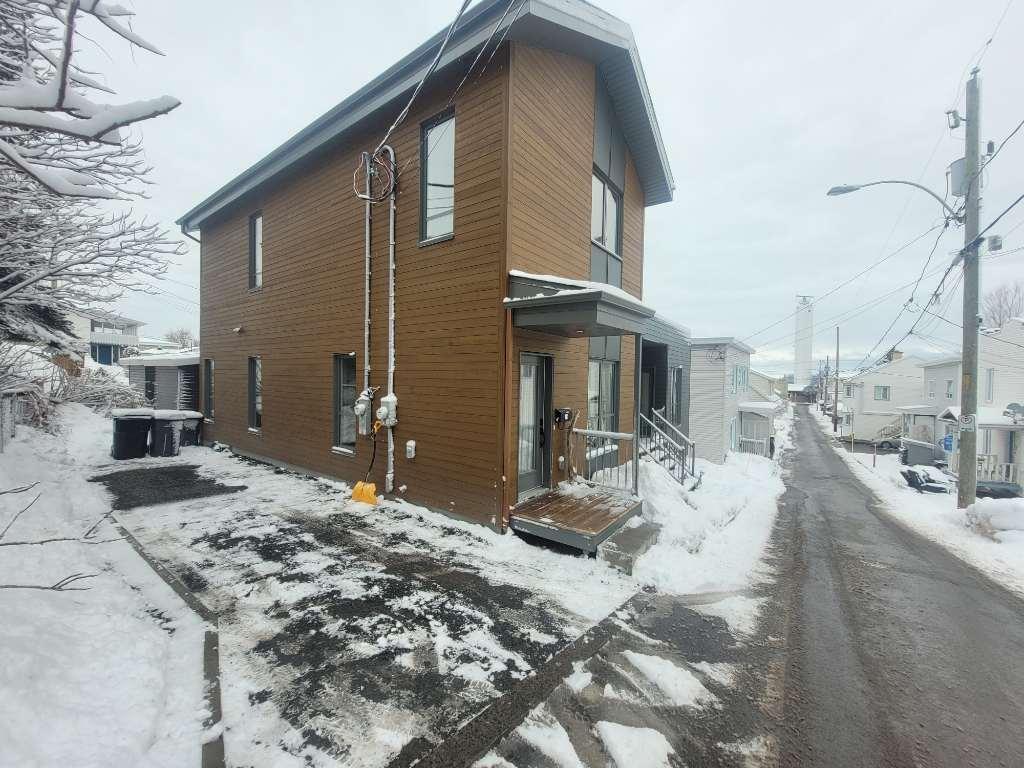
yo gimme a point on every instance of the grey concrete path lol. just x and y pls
(896, 653)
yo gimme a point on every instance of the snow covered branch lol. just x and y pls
(44, 98)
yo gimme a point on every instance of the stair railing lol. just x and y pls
(679, 438)
(656, 444)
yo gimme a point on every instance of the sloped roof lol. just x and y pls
(573, 26)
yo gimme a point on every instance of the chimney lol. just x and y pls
(893, 356)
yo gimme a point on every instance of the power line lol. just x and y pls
(850, 280)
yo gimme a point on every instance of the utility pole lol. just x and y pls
(835, 405)
(968, 467)
(824, 382)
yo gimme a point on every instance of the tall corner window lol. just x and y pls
(149, 378)
(437, 177)
(208, 388)
(255, 393)
(605, 214)
(256, 250)
(344, 401)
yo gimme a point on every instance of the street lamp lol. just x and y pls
(845, 189)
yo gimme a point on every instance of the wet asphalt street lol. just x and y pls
(892, 652)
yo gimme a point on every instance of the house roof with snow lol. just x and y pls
(573, 26)
(109, 317)
(166, 359)
(988, 418)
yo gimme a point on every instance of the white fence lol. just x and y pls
(989, 468)
(756, 446)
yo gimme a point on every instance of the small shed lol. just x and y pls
(169, 381)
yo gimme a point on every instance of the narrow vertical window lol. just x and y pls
(256, 250)
(950, 389)
(437, 177)
(990, 384)
(255, 393)
(931, 387)
(344, 401)
(208, 388)
(150, 379)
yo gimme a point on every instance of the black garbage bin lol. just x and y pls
(131, 432)
(165, 436)
(192, 428)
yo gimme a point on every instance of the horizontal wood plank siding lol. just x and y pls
(448, 309)
(551, 137)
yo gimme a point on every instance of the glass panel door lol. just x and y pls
(532, 426)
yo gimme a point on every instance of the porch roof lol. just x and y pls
(988, 418)
(573, 308)
(761, 407)
(921, 410)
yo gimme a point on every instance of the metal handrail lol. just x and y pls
(674, 428)
(599, 452)
(656, 444)
(603, 433)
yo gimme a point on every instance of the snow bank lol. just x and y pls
(711, 539)
(108, 676)
(992, 516)
(680, 686)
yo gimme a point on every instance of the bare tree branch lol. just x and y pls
(18, 514)
(60, 586)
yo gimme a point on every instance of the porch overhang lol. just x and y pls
(573, 308)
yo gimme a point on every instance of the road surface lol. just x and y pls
(892, 652)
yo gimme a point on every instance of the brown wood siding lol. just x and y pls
(550, 161)
(448, 310)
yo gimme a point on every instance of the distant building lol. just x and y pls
(803, 342)
(105, 335)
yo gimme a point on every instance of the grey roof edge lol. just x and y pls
(582, 295)
(718, 341)
(402, 76)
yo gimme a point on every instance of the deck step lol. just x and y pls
(626, 545)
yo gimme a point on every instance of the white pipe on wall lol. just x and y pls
(389, 479)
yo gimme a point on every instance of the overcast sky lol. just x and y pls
(762, 106)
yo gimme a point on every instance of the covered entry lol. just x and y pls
(598, 449)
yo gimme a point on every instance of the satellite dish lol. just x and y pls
(1015, 411)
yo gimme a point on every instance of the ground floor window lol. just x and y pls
(149, 377)
(255, 393)
(208, 388)
(344, 401)
(603, 395)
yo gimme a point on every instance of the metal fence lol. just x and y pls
(12, 405)
(606, 459)
(756, 446)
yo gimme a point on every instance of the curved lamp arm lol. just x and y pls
(847, 188)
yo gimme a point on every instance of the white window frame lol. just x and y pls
(990, 384)
(848, 390)
(883, 389)
(950, 389)
(931, 388)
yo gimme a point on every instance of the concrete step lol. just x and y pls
(626, 545)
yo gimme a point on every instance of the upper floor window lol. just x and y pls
(739, 379)
(950, 389)
(437, 177)
(931, 388)
(256, 250)
(605, 214)
(882, 393)
(990, 384)
(849, 390)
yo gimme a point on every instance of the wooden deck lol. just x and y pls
(582, 522)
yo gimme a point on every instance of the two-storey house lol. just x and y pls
(105, 335)
(484, 303)
(869, 401)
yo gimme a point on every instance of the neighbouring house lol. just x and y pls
(870, 399)
(518, 225)
(934, 420)
(725, 415)
(166, 380)
(768, 387)
(104, 335)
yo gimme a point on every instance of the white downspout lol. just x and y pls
(389, 478)
(366, 271)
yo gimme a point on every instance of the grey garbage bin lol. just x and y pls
(165, 436)
(192, 428)
(131, 432)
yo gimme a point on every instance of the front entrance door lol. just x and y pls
(534, 406)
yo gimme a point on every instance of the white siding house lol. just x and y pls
(869, 402)
(725, 414)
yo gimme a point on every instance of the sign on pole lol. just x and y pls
(968, 422)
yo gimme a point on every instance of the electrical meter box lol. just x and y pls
(563, 418)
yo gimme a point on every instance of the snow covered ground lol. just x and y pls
(347, 633)
(995, 549)
(108, 673)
